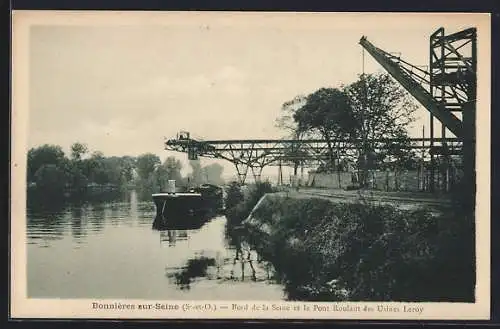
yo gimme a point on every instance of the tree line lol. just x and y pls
(53, 173)
(364, 113)
(153, 175)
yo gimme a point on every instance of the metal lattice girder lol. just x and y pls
(263, 152)
(413, 79)
(452, 67)
(255, 154)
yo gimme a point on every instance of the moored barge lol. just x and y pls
(182, 207)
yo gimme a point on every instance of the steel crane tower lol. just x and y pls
(447, 90)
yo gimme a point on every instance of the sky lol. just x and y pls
(122, 87)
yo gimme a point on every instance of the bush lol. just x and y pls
(233, 195)
(365, 251)
(236, 212)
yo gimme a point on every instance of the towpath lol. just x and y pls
(403, 200)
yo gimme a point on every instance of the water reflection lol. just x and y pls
(46, 226)
(237, 263)
(96, 220)
(193, 222)
(195, 268)
(230, 261)
(172, 236)
(97, 249)
(50, 220)
(134, 208)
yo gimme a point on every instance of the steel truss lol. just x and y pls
(449, 87)
(255, 154)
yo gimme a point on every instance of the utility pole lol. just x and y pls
(364, 150)
(422, 164)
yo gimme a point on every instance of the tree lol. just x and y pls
(48, 166)
(97, 155)
(115, 169)
(382, 110)
(398, 155)
(328, 112)
(44, 155)
(294, 152)
(111, 170)
(127, 166)
(77, 168)
(197, 172)
(170, 169)
(214, 173)
(78, 150)
(50, 179)
(146, 165)
(78, 180)
(286, 120)
(91, 167)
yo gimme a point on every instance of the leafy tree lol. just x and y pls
(367, 112)
(128, 167)
(196, 176)
(111, 170)
(214, 173)
(173, 167)
(286, 120)
(113, 166)
(294, 153)
(50, 179)
(48, 166)
(169, 169)
(382, 110)
(97, 155)
(77, 167)
(43, 155)
(328, 112)
(78, 180)
(107, 171)
(146, 165)
(78, 150)
(92, 166)
(398, 155)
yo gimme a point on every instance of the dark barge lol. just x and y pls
(188, 208)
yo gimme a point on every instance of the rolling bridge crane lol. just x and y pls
(255, 154)
(448, 89)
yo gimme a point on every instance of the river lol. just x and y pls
(110, 250)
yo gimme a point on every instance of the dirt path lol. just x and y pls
(403, 200)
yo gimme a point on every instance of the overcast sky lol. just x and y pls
(122, 89)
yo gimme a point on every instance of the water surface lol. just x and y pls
(110, 250)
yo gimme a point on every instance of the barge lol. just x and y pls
(185, 208)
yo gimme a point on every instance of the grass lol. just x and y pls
(361, 251)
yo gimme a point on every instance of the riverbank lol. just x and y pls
(331, 250)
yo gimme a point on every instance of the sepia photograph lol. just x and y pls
(250, 165)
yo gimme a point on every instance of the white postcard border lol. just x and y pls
(22, 307)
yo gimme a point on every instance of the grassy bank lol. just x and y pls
(329, 251)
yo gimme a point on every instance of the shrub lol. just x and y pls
(233, 195)
(327, 251)
(236, 212)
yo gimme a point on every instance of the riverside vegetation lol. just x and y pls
(54, 177)
(326, 251)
